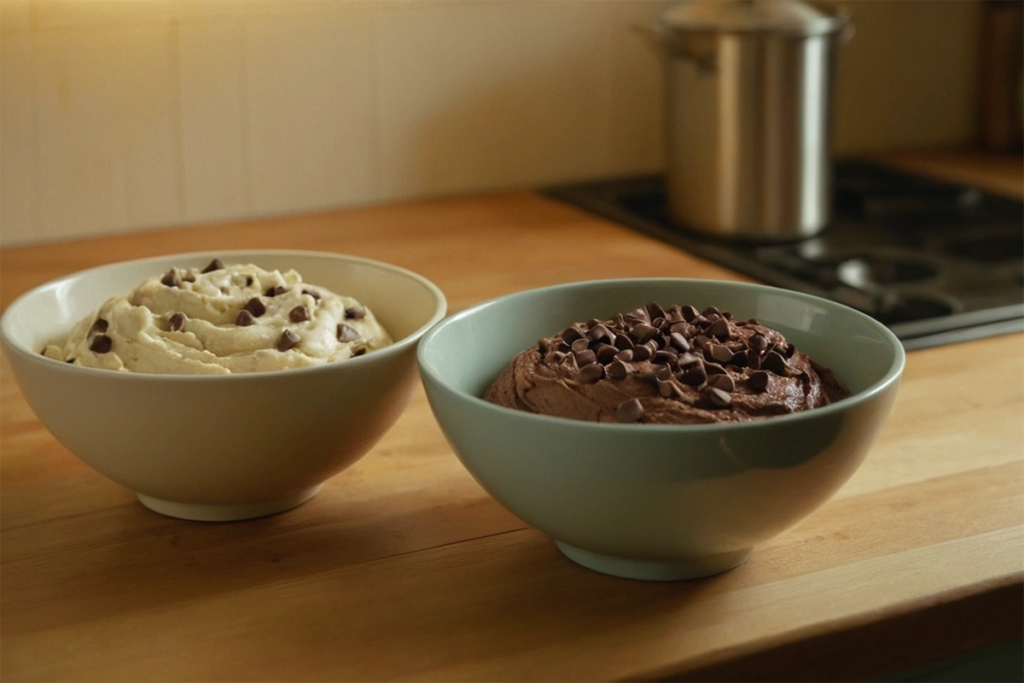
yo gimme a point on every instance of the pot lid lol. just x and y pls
(748, 16)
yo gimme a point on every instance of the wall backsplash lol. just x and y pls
(131, 114)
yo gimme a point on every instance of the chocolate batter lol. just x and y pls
(665, 366)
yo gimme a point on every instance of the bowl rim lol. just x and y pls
(398, 347)
(892, 375)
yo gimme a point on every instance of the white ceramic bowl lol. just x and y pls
(222, 447)
(658, 501)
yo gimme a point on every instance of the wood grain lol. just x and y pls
(402, 568)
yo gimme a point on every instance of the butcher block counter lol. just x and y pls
(403, 568)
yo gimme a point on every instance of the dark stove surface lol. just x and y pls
(937, 263)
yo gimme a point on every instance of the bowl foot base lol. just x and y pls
(228, 512)
(655, 570)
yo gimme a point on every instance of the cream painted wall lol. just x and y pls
(131, 114)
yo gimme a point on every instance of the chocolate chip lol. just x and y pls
(316, 296)
(176, 322)
(618, 370)
(714, 369)
(642, 332)
(695, 376)
(721, 353)
(255, 306)
(718, 398)
(711, 311)
(358, 352)
(572, 333)
(623, 342)
(655, 311)
(287, 340)
(774, 363)
(606, 353)
(679, 341)
(689, 313)
(599, 333)
(98, 327)
(686, 359)
(215, 264)
(591, 373)
(758, 342)
(758, 381)
(101, 343)
(753, 360)
(244, 318)
(667, 388)
(580, 345)
(629, 411)
(354, 313)
(641, 353)
(789, 351)
(663, 357)
(719, 329)
(664, 373)
(248, 280)
(585, 357)
(723, 382)
(640, 315)
(275, 291)
(346, 333)
(299, 314)
(739, 359)
(626, 355)
(170, 278)
(701, 342)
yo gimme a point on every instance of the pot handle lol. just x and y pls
(849, 29)
(665, 44)
(650, 36)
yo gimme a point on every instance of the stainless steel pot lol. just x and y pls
(749, 106)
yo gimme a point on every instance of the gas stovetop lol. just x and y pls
(937, 263)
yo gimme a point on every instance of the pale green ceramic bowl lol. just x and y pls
(656, 501)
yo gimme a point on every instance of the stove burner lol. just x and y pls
(903, 307)
(870, 270)
(937, 263)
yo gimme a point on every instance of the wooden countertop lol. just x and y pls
(403, 568)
